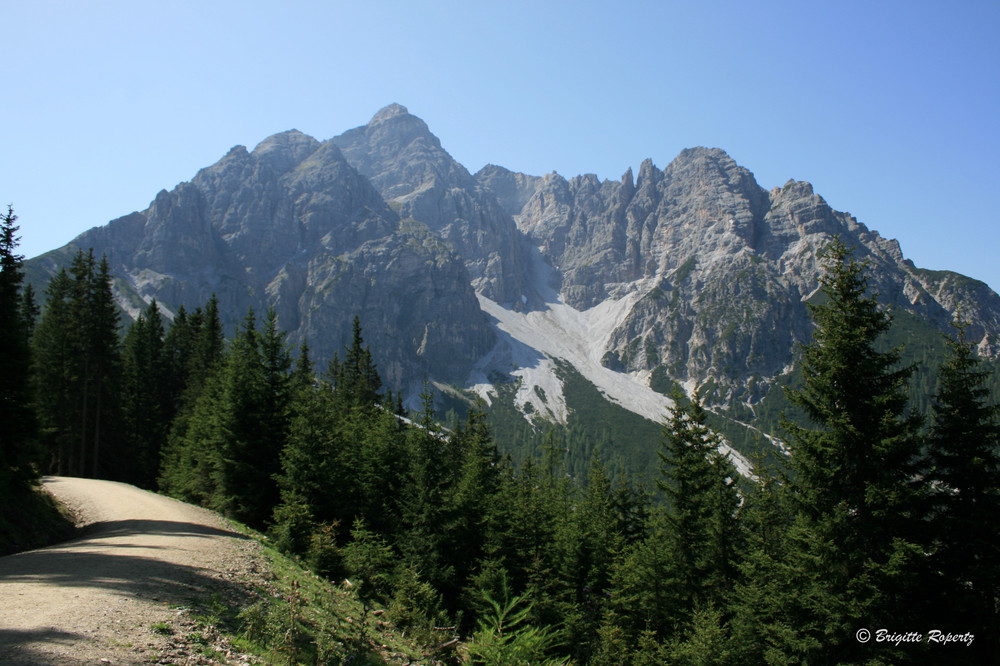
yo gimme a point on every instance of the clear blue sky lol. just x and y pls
(890, 109)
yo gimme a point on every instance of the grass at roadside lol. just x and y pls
(291, 616)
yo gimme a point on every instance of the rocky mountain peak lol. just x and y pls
(387, 113)
(285, 149)
(420, 180)
(648, 174)
(628, 184)
(690, 273)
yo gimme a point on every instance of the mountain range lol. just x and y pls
(500, 283)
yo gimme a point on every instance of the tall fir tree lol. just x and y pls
(964, 470)
(146, 402)
(95, 320)
(77, 367)
(699, 482)
(55, 356)
(356, 379)
(238, 426)
(687, 564)
(854, 486)
(195, 356)
(17, 415)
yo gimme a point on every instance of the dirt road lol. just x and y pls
(118, 594)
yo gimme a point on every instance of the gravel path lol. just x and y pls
(120, 593)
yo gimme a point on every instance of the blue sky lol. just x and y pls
(890, 109)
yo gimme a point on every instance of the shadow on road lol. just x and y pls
(22, 648)
(114, 528)
(73, 563)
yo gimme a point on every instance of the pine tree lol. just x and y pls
(686, 566)
(315, 480)
(964, 469)
(145, 399)
(91, 330)
(29, 308)
(356, 379)
(854, 477)
(177, 344)
(422, 509)
(699, 483)
(195, 357)
(469, 501)
(16, 413)
(208, 343)
(252, 422)
(55, 358)
(303, 374)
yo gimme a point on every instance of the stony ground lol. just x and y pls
(128, 589)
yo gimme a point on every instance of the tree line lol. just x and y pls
(881, 519)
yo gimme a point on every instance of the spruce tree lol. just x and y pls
(356, 379)
(16, 414)
(252, 422)
(177, 343)
(29, 308)
(422, 509)
(964, 470)
(93, 321)
(699, 484)
(854, 483)
(686, 566)
(195, 355)
(55, 363)
(145, 399)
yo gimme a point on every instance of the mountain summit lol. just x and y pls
(692, 273)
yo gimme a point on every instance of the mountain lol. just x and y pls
(513, 286)
(293, 226)
(720, 269)
(418, 179)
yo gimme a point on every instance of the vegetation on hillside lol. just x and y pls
(880, 518)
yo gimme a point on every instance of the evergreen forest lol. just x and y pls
(881, 519)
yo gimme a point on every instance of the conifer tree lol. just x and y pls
(16, 414)
(964, 470)
(699, 484)
(422, 509)
(356, 379)
(252, 422)
(303, 374)
(177, 343)
(854, 485)
(78, 365)
(55, 357)
(145, 399)
(686, 566)
(29, 308)
(315, 481)
(195, 355)
(469, 499)
(94, 314)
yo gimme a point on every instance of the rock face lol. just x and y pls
(295, 227)
(720, 268)
(694, 272)
(419, 180)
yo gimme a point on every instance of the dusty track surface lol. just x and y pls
(119, 593)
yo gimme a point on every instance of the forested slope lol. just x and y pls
(880, 519)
